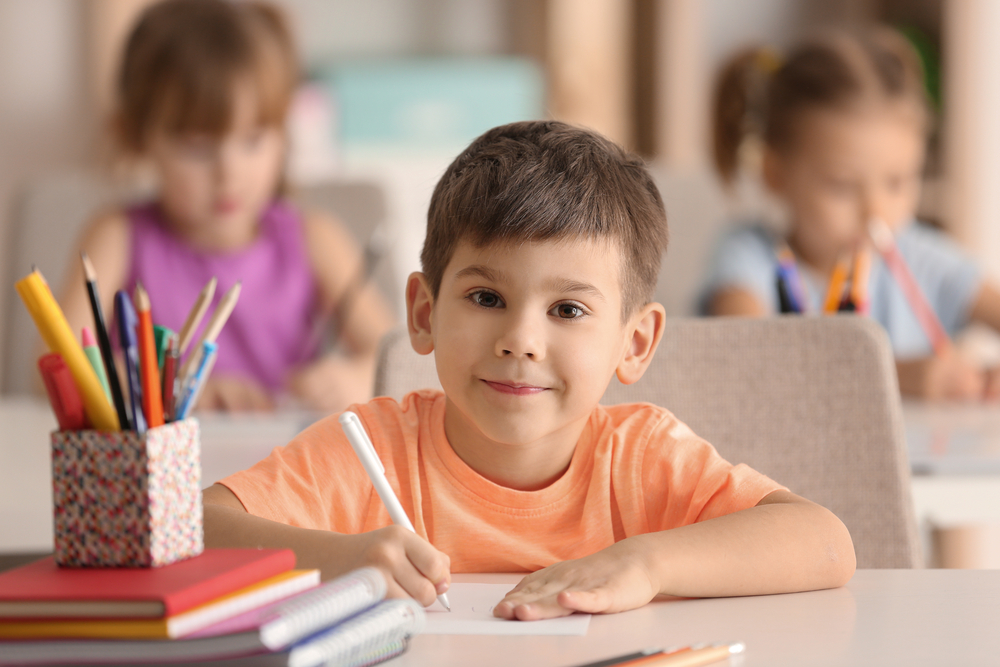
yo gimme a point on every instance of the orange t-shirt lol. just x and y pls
(636, 469)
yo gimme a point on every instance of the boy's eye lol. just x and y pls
(568, 311)
(486, 299)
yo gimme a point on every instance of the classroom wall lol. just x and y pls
(46, 121)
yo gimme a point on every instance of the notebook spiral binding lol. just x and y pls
(362, 637)
(322, 607)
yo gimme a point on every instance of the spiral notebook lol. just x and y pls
(344, 622)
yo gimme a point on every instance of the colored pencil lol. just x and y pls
(94, 357)
(212, 329)
(149, 369)
(835, 291)
(170, 362)
(695, 657)
(128, 322)
(161, 336)
(861, 271)
(104, 343)
(198, 311)
(192, 386)
(789, 272)
(885, 244)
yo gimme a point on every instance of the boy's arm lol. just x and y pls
(784, 544)
(412, 566)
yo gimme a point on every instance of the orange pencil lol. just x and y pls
(836, 291)
(152, 399)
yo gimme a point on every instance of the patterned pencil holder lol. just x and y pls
(127, 500)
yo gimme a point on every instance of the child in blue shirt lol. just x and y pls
(843, 123)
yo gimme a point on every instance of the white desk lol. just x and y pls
(228, 444)
(882, 617)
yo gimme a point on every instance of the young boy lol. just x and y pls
(543, 247)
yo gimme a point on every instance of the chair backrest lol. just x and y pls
(811, 402)
(50, 211)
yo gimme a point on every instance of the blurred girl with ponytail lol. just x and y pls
(839, 129)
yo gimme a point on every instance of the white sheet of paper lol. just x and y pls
(472, 614)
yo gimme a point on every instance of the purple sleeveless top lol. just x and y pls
(271, 325)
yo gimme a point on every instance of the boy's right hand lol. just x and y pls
(942, 377)
(412, 567)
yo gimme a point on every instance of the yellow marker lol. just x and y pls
(836, 290)
(59, 337)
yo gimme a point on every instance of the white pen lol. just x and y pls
(366, 453)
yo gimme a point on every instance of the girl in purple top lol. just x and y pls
(203, 91)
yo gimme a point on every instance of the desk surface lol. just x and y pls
(882, 617)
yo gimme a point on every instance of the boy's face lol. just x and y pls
(526, 338)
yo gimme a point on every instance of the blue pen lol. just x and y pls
(194, 384)
(126, 319)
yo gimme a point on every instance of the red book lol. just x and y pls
(44, 590)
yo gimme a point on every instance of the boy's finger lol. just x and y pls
(432, 564)
(415, 584)
(546, 607)
(594, 601)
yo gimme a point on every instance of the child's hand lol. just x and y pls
(333, 383)
(234, 394)
(942, 377)
(411, 565)
(614, 579)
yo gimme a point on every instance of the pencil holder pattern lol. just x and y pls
(122, 499)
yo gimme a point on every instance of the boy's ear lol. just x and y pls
(646, 329)
(419, 306)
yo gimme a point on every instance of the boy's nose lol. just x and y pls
(521, 339)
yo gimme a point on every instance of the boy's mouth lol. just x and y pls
(514, 388)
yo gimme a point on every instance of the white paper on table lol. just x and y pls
(472, 614)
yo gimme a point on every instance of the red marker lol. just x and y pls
(63, 394)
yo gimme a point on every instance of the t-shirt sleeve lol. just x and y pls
(311, 482)
(685, 480)
(948, 276)
(743, 258)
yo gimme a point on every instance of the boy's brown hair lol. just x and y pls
(184, 58)
(759, 95)
(546, 180)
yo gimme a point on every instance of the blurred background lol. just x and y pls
(395, 88)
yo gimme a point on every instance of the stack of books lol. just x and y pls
(226, 606)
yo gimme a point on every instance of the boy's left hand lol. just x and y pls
(614, 579)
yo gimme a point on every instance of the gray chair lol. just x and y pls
(811, 402)
(49, 212)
